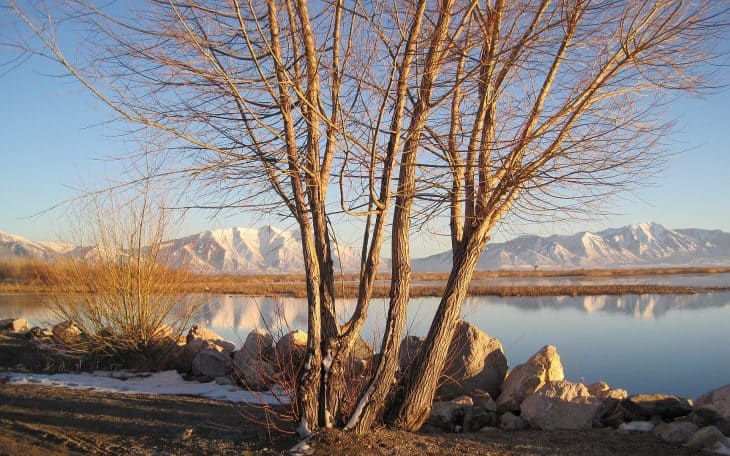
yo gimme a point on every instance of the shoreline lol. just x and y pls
(276, 289)
(44, 416)
(423, 284)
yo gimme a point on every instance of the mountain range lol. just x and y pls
(639, 245)
(271, 250)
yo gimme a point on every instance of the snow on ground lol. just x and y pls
(166, 382)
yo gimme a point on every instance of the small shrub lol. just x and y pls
(127, 304)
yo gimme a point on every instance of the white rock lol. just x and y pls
(66, 331)
(525, 379)
(561, 405)
(290, 350)
(602, 390)
(198, 332)
(475, 361)
(212, 363)
(258, 343)
(15, 325)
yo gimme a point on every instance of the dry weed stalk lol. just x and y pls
(116, 288)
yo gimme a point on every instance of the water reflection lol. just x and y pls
(645, 343)
(646, 307)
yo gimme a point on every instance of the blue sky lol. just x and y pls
(52, 141)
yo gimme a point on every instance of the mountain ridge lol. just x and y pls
(638, 245)
(270, 249)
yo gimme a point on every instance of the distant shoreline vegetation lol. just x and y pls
(31, 275)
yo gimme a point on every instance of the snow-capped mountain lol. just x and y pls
(247, 250)
(12, 246)
(272, 250)
(640, 245)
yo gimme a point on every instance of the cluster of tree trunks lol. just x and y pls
(391, 113)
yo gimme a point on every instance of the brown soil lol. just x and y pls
(36, 420)
(594, 442)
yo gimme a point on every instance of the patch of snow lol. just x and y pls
(303, 429)
(301, 448)
(327, 362)
(722, 448)
(166, 382)
(637, 426)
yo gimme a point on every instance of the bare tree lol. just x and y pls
(408, 110)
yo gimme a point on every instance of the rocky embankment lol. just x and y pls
(478, 392)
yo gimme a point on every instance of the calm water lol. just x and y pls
(679, 280)
(678, 344)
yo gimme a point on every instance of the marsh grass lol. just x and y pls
(38, 276)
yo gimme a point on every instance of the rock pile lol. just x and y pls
(477, 391)
(536, 395)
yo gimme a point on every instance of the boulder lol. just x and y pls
(258, 343)
(483, 400)
(476, 418)
(188, 352)
(167, 332)
(717, 400)
(14, 325)
(675, 432)
(202, 333)
(561, 405)
(198, 332)
(361, 350)
(603, 391)
(708, 438)
(39, 332)
(448, 414)
(525, 379)
(668, 407)
(211, 363)
(67, 332)
(409, 347)
(705, 417)
(225, 380)
(255, 374)
(474, 361)
(291, 350)
(511, 422)
(612, 414)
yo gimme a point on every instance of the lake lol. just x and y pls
(677, 344)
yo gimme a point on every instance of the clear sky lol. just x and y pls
(54, 139)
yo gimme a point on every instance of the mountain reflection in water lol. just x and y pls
(646, 343)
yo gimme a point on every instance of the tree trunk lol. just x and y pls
(309, 380)
(411, 405)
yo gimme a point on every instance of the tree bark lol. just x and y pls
(411, 405)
